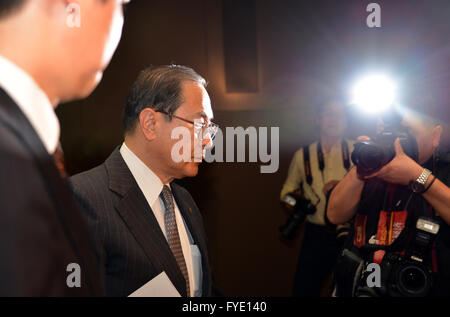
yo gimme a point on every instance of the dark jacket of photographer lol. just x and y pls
(384, 207)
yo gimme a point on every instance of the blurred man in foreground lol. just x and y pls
(46, 57)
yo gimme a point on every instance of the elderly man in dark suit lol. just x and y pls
(45, 58)
(145, 222)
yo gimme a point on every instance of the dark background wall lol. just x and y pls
(266, 62)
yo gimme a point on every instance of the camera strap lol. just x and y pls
(307, 165)
(386, 220)
(308, 173)
(403, 241)
(345, 154)
(320, 157)
(433, 248)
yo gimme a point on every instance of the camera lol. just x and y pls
(301, 208)
(371, 156)
(407, 274)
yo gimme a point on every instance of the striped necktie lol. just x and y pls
(173, 236)
(58, 157)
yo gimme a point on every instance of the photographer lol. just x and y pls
(314, 170)
(387, 207)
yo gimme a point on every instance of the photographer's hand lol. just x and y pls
(401, 170)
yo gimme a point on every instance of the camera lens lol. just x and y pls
(294, 221)
(413, 278)
(370, 156)
(413, 281)
(303, 207)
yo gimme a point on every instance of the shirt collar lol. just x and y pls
(335, 147)
(33, 102)
(148, 182)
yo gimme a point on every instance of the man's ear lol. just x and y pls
(436, 135)
(147, 123)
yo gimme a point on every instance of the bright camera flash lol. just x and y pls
(374, 94)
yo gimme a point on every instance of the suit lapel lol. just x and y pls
(141, 221)
(65, 206)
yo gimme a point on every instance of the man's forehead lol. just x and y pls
(412, 124)
(202, 114)
(332, 106)
(197, 101)
(207, 105)
(418, 122)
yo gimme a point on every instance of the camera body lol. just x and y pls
(301, 208)
(371, 156)
(407, 274)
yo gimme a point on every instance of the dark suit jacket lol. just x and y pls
(42, 230)
(131, 239)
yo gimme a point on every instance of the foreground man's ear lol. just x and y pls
(147, 123)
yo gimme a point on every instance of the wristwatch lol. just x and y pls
(418, 185)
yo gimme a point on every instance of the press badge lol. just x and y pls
(360, 230)
(390, 225)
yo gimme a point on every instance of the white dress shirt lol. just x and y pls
(151, 186)
(33, 102)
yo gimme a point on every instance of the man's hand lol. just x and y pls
(328, 186)
(401, 170)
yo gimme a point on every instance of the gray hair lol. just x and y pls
(159, 88)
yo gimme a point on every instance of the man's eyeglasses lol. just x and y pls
(209, 128)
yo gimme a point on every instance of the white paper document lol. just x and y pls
(160, 286)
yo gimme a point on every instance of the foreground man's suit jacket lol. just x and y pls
(132, 244)
(42, 230)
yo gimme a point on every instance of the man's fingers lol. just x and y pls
(377, 174)
(398, 146)
(371, 175)
(363, 138)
